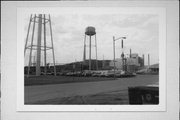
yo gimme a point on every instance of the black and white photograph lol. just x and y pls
(91, 58)
(98, 60)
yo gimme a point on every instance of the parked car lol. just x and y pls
(103, 73)
(87, 73)
(49, 73)
(78, 73)
(69, 74)
(42, 73)
(96, 74)
(109, 74)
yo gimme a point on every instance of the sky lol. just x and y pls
(140, 30)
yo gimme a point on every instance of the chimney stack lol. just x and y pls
(143, 59)
(122, 44)
(148, 60)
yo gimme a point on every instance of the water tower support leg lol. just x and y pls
(30, 55)
(38, 64)
(84, 55)
(52, 46)
(45, 68)
(96, 53)
(90, 53)
(27, 35)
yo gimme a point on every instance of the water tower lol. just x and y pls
(89, 32)
(35, 44)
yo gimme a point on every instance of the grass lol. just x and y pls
(49, 79)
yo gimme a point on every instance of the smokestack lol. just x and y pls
(143, 59)
(130, 53)
(103, 62)
(122, 43)
(34, 61)
(148, 60)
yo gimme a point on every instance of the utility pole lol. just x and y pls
(114, 55)
(122, 55)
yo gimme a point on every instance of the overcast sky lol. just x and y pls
(141, 31)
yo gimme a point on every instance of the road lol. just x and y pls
(45, 92)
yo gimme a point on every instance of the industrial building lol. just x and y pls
(132, 64)
(154, 68)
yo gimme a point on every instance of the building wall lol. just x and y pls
(133, 63)
(118, 63)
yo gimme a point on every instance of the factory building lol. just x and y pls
(154, 68)
(132, 64)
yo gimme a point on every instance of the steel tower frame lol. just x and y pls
(42, 20)
(90, 45)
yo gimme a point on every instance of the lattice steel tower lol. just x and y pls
(41, 20)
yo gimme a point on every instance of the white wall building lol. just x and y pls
(131, 62)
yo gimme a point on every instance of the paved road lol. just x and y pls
(45, 92)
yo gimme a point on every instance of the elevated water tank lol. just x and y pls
(90, 31)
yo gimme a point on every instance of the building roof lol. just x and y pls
(154, 66)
